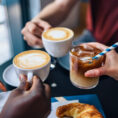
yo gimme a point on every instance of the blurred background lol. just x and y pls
(15, 13)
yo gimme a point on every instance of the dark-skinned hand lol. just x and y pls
(31, 103)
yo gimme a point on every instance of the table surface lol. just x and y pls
(106, 90)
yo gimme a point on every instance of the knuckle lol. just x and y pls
(97, 73)
(33, 29)
(28, 23)
(100, 72)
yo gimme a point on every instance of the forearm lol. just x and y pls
(57, 11)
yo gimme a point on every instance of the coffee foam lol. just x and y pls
(58, 34)
(31, 59)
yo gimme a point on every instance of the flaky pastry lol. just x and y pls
(78, 110)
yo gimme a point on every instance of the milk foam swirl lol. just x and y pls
(58, 34)
(31, 60)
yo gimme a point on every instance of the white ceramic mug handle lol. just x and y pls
(29, 76)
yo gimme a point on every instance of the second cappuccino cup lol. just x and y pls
(57, 41)
(32, 62)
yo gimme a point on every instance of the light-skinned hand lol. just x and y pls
(110, 67)
(33, 30)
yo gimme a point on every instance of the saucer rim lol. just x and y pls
(4, 78)
(61, 63)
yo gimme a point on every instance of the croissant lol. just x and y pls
(78, 110)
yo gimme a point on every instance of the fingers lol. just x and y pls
(96, 72)
(34, 29)
(40, 88)
(31, 39)
(97, 45)
(37, 84)
(47, 91)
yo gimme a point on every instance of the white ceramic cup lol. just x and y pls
(58, 48)
(41, 72)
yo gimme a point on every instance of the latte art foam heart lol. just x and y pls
(31, 59)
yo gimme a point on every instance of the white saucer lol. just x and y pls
(10, 77)
(64, 62)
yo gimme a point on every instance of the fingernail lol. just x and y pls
(36, 77)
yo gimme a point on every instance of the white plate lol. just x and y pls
(10, 77)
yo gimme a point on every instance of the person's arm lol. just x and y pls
(52, 15)
(31, 103)
(110, 67)
(57, 11)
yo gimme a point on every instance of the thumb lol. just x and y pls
(95, 72)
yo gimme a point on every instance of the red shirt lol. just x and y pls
(102, 20)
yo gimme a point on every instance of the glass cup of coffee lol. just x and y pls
(58, 41)
(32, 62)
(80, 62)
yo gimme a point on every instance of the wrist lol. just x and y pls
(35, 19)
